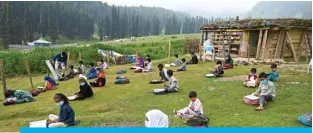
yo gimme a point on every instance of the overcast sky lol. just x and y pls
(204, 8)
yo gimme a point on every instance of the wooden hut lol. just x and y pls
(261, 38)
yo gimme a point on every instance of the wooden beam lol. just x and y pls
(29, 74)
(301, 45)
(291, 47)
(309, 43)
(278, 45)
(68, 61)
(283, 44)
(136, 52)
(264, 43)
(4, 85)
(259, 44)
(248, 49)
(306, 47)
(80, 56)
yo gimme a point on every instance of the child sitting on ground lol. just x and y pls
(17, 97)
(66, 116)
(266, 91)
(274, 74)
(92, 73)
(173, 85)
(163, 73)
(194, 108)
(177, 61)
(251, 80)
(147, 69)
(103, 65)
(149, 66)
(50, 84)
(81, 68)
(229, 63)
(183, 66)
(217, 71)
(100, 80)
(85, 90)
(70, 75)
(194, 59)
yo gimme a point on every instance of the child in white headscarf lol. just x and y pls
(156, 118)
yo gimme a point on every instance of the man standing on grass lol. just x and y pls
(60, 62)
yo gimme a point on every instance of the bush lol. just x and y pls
(14, 60)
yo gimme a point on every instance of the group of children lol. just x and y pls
(154, 118)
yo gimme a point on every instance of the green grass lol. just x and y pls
(127, 104)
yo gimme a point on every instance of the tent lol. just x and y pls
(39, 42)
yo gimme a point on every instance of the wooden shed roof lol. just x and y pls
(259, 23)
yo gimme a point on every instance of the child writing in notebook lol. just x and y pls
(194, 108)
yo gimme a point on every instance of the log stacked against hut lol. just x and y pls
(257, 23)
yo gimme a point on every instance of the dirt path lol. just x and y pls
(234, 78)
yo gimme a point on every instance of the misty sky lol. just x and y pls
(204, 8)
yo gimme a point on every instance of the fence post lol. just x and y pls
(68, 61)
(169, 51)
(29, 74)
(4, 86)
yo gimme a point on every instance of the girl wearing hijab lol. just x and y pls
(85, 89)
(66, 116)
(156, 119)
(50, 84)
(229, 63)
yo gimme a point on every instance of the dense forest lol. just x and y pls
(22, 22)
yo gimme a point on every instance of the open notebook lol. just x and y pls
(38, 124)
(252, 97)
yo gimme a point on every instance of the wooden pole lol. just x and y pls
(306, 48)
(169, 51)
(309, 44)
(224, 56)
(301, 44)
(248, 49)
(264, 43)
(201, 43)
(259, 44)
(4, 85)
(277, 44)
(291, 47)
(80, 56)
(136, 51)
(29, 74)
(68, 61)
(283, 44)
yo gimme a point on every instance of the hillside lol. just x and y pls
(282, 9)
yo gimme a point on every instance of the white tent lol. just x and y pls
(40, 42)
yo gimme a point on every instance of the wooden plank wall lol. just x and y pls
(244, 44)
(295, 35)
(271, 44)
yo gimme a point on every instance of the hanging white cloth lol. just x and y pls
(156, 118)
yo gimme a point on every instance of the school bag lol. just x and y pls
(306, 119)
(121, 80)
(156, 81)
(251, 99)
(121, 72)
(198, 121)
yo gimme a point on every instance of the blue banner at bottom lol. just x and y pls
(166, 130)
